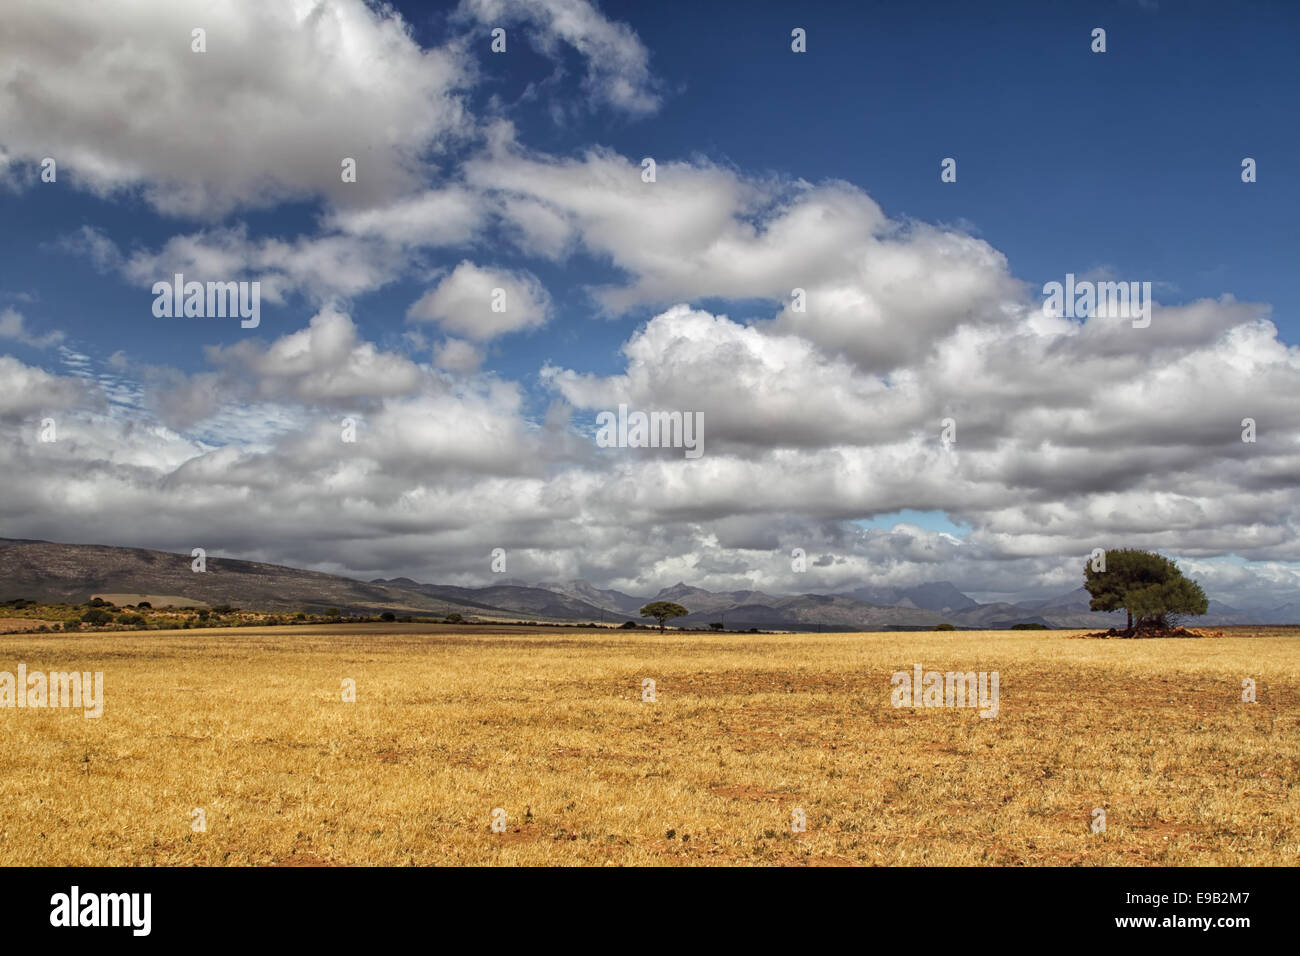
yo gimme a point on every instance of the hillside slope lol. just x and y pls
(73, 573)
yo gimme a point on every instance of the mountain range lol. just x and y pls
(72, 573)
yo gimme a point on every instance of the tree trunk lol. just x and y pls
(1129, 629)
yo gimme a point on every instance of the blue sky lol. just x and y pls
(1068, 161)
(1122, 165)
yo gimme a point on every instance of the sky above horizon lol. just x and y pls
(383, 420)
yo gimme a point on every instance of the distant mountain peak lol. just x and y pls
(680, 589)
(929, 596)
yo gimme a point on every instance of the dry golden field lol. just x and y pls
(549, 725)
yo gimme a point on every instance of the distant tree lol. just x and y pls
(332, 612)
(388, 616)
(97, 602)
(944, 626)
(133, 620)
(716, 625)
(629, 626)
(1027, 626)
(300, 616)
(663, 611)
(204, 613)
(454, 618)
(96, 616)
(1148, 586)
(145, 604)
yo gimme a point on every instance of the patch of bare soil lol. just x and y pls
(303, 859)
(1145, 632)
(17, 625)
(517, 835)
(751, 793)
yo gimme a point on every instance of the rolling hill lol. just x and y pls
(73, 573)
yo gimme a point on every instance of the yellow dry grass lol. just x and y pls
(451, 722)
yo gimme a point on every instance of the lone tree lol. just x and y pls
(1148, 586)
(663, 611)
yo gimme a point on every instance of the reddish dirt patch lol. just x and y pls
(303, 859)
(517, 835)
(791, 859)
(750, 793)
(1166, 830)
(602, 754)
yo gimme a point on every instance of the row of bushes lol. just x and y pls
(101, 613)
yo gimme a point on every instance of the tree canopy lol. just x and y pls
(663, 611)
(1148, 586)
